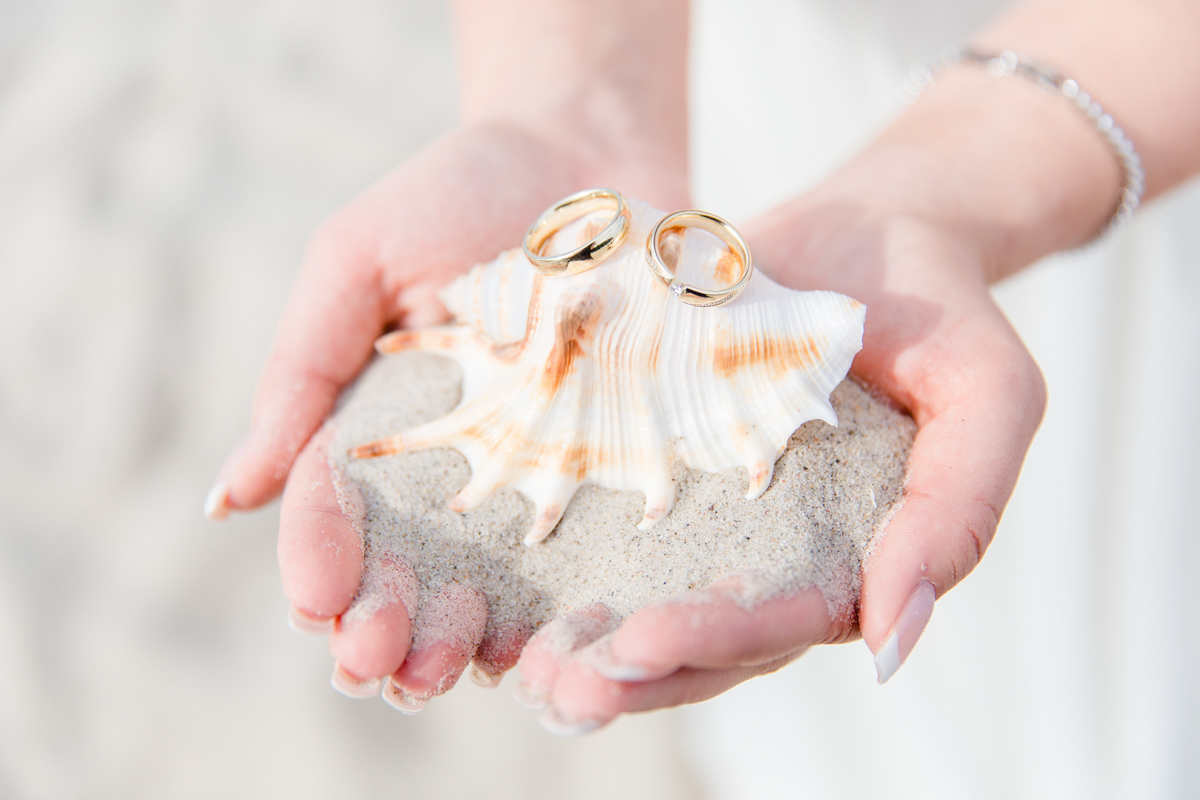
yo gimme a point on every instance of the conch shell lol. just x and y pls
(602, 377)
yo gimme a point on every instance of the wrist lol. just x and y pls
(613, 142)
(605, 83)
(996, 160)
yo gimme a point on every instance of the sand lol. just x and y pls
(833, 490)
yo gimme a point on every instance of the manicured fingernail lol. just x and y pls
(531, 697)
(351, 686)
(216, 503)
(400, 700)
(907, 630)
(600, 658)
(484, 679)
(303, 623)
(552, 720)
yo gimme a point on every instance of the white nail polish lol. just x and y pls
(302, 623)
(556, 723)
(216, 503)
(627, 673)
(887, 660)
(906, 631)
(484, 679)
(350, 686)
(400, 700)
(599, 656)
(529, 697)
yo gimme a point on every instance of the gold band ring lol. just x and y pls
(568, 210)
(718, 227)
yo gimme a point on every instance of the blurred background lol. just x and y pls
(161, 167)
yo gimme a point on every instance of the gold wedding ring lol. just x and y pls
(568, 210)
(718, 227)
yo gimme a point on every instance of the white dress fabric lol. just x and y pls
(1061, 668)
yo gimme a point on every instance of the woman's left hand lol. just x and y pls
(937, 346)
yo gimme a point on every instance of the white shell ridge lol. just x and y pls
(603, 377)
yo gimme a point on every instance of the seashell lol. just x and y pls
(603, 377)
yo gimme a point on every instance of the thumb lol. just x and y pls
(964, 464)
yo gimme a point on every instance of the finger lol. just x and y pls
(499, 652)
(323, 340)
(320, 548)
(962, 468)
(447, 632)
(371, 639)
(584, 700)
(550, 646)
(714, 628)
(368, 646)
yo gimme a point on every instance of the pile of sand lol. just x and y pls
(833, 490)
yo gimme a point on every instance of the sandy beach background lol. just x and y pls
(161, 166)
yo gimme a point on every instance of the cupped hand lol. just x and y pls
(376, 265)
(937, 346)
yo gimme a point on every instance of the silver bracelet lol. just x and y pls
(1008, 63)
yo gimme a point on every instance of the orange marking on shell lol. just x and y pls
(670, 245)
(380, 447)
(778, 355)
(573, 327)
(579, 460)
(655, 349)
(398, 341)
(590, 231)
(511, 352)
(550, 512)
(728, 268)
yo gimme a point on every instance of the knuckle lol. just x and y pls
(977, 530)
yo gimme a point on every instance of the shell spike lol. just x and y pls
(550, 496)
(761, 473)
(442, 339)
(476, 491)
(422, 437)
(826, 414)
(659, 502)
(544, 520)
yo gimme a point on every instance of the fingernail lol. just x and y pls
(351, 686)
(401, 700)
(907, 630)
(600, 658)
(484, 679)
(531, 697)
(303, 623)
(216, 502)
(552, 720)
